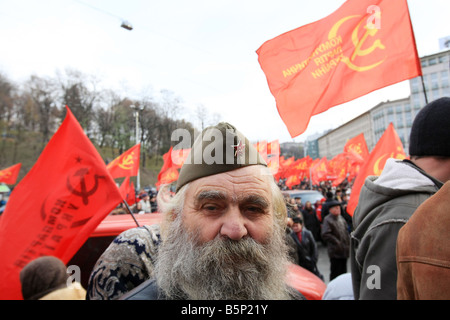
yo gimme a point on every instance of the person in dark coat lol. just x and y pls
(306, 247)
(336, 236)
(326, 204)
(312, 223)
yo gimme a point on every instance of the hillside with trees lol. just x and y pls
(31, 112)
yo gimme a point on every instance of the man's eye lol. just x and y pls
(253, 209)
(211, 207)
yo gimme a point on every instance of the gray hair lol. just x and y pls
(171, 206)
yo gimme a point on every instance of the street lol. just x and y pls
(323, 262)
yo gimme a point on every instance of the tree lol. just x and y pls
(79, 93)
(44, 94)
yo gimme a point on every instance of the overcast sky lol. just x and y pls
(203, 51)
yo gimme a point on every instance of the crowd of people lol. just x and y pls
(229, 233)
(327, 223)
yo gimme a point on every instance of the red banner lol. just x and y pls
(363, 46)
(358, 147)
(389, 146)
(319, 172)
(169, 170)
(56, 206)
(127, 164)
(127, 191)
(9, 175)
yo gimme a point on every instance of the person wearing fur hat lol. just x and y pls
(387, 202)
(223, 232)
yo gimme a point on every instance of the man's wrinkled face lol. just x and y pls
(235, 205)
(225, 243)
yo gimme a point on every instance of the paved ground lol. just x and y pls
(323, 262)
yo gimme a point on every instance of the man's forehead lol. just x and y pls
(217, 193)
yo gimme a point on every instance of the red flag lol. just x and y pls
(127, 164)
(356, 151)
(319, 171)
(273, 156)
(178, 157)
(285, 164)
(9, 175)
(168, 176)
(363, 46)
(357, 146)
(56, 206)
(270, 152)
(127, 191)
(292, 181)
(389, 146)
(169, 171)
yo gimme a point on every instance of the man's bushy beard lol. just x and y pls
(221, 269)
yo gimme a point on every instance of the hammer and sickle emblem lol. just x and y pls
(127, 162)
(376, 168)
(83, 192)
(6, 174)
(358, 43)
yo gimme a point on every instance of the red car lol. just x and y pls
(299, 278)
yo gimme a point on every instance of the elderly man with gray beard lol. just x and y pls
(223, 234)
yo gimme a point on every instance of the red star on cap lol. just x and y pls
(239, 148)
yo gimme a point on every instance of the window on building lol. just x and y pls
(415, 85)
(391, 118)
(408, 119)
(399, 120)
(446, 92)
(416, 101)
(435, 94)
(444, 79)
(434, 80)
(425, 81)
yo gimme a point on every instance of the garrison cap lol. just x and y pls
(218, 149)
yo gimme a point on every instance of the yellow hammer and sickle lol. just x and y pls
(127, 162)
(376, 168)
(358, 43)
(6, 174)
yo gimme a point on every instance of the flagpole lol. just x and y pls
(424, 90)
(129, 211)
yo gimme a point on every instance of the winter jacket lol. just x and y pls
(385, 205)
(336, 236)
(423, 252)
(306, 250)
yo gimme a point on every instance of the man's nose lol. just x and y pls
(233, 225)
